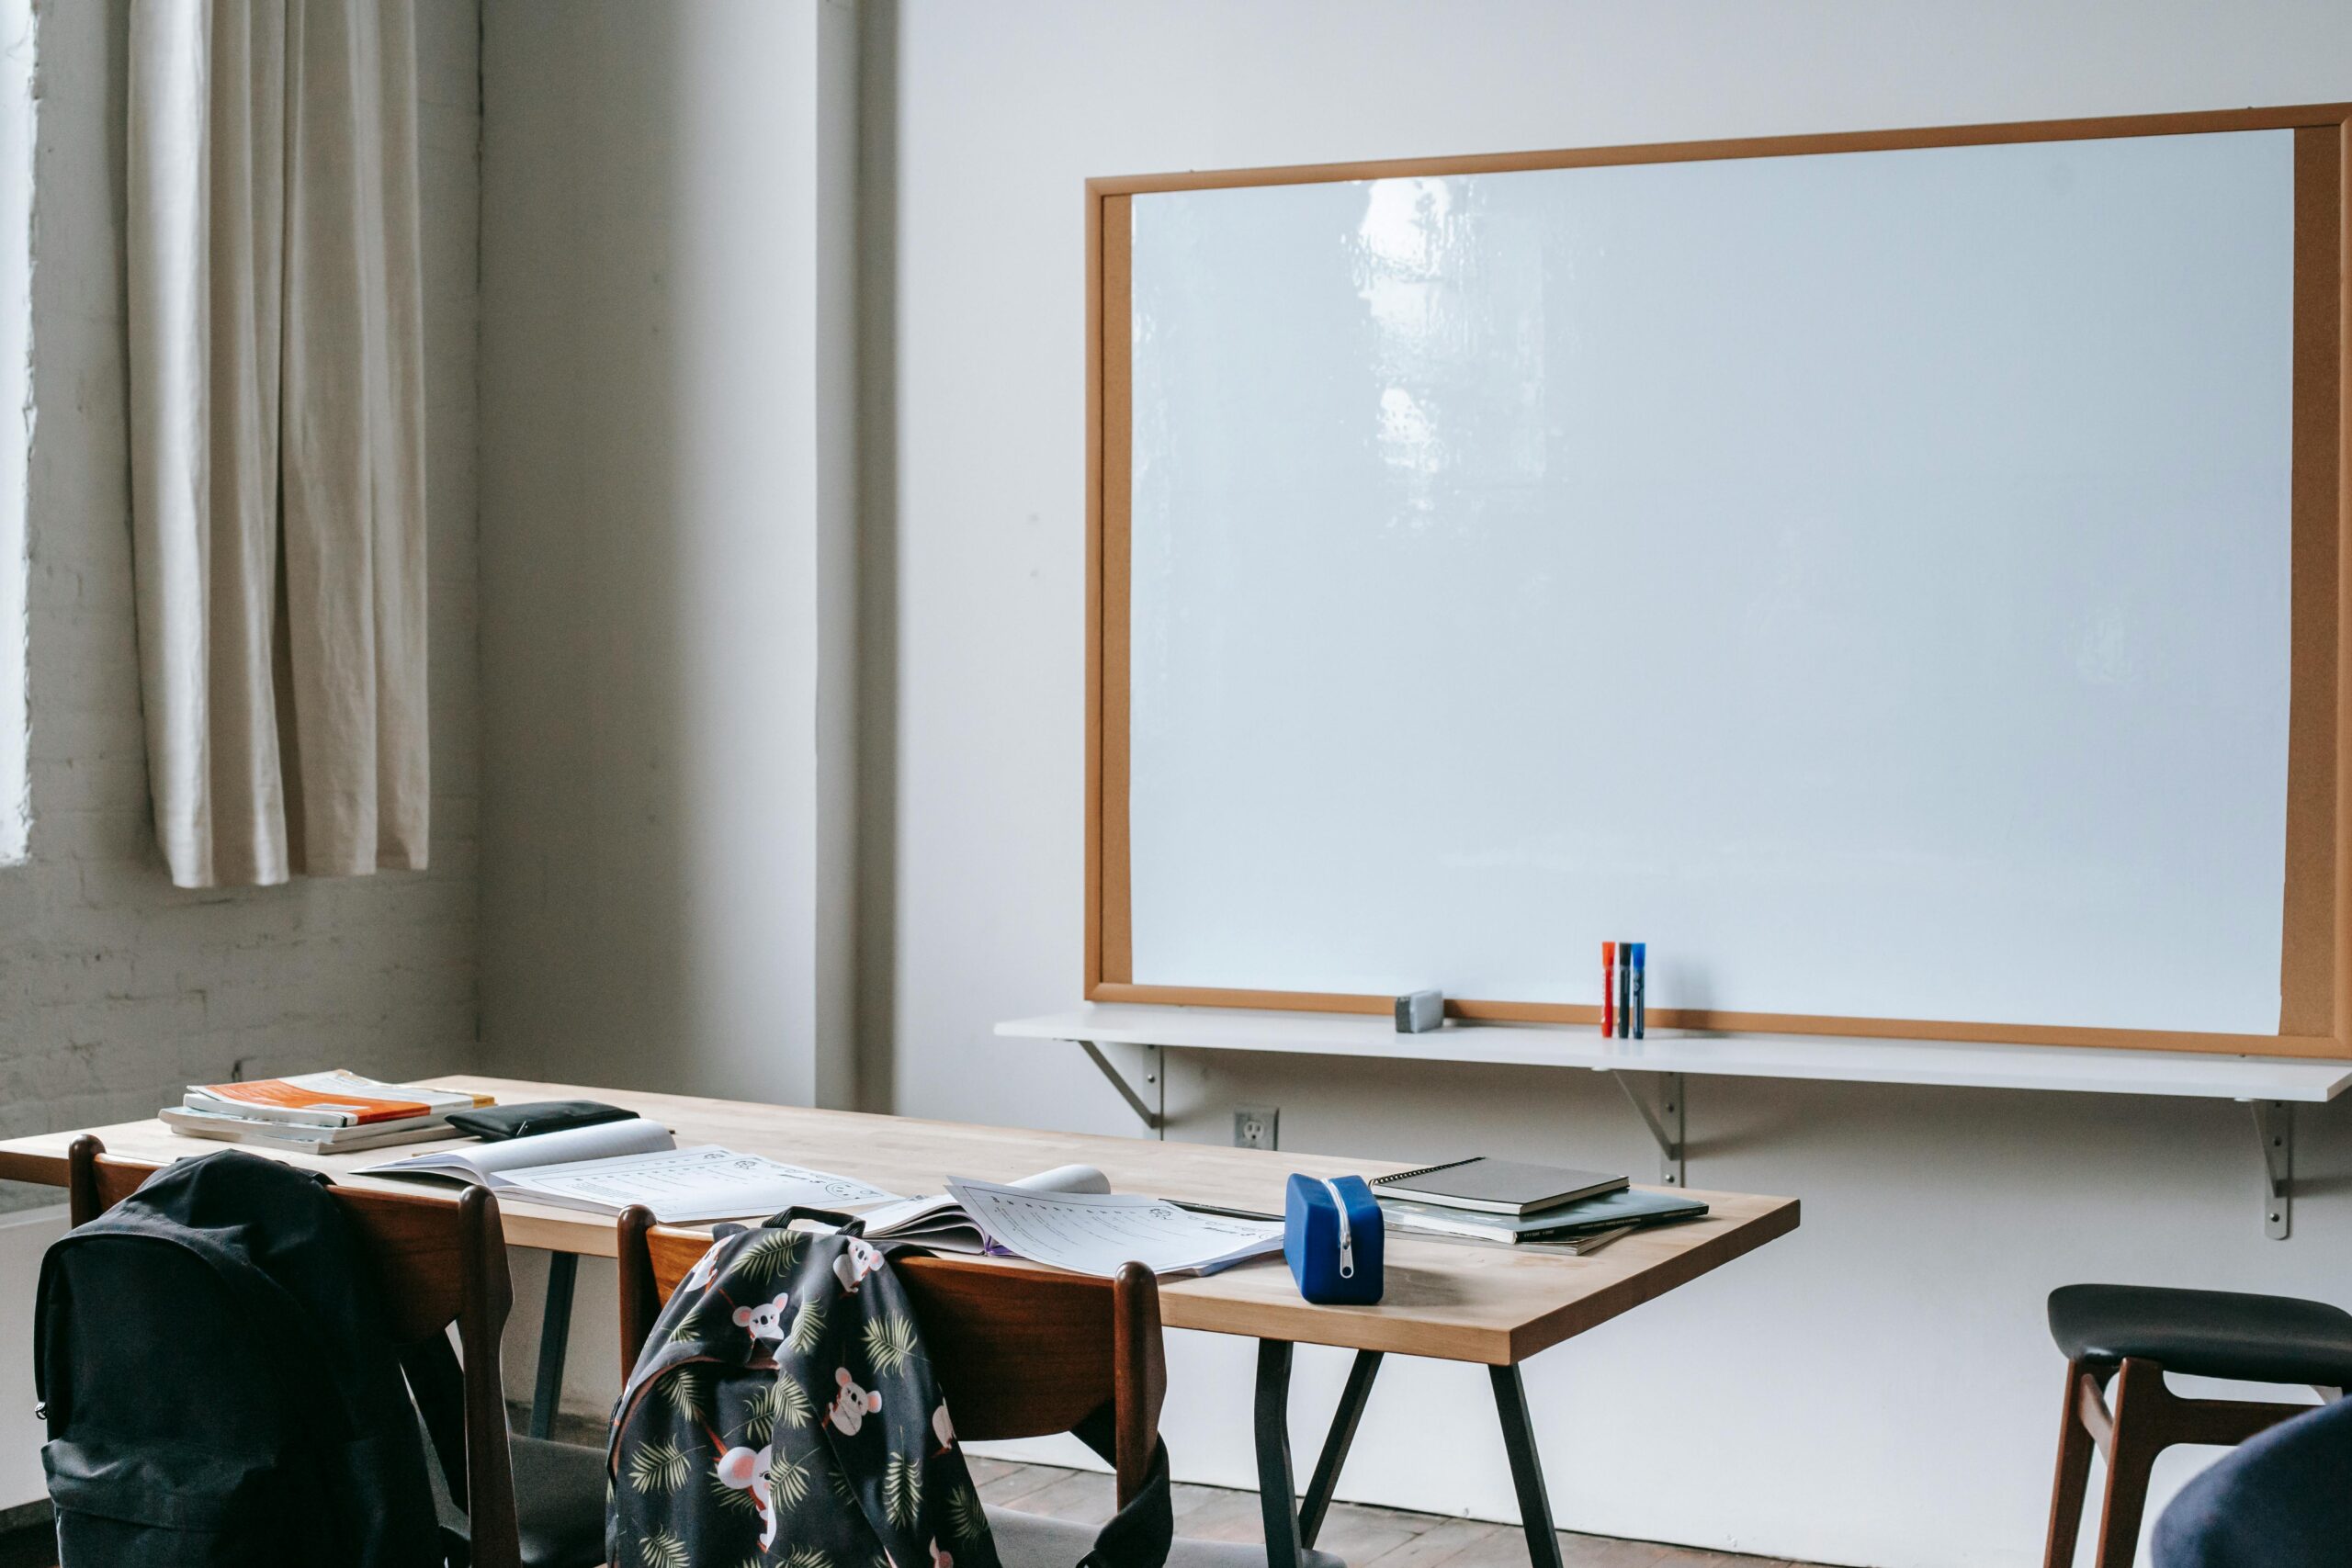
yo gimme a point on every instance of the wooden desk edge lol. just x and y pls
(1592, 1311)
(1368, 1329)
(551, 1230)
(38, 1170)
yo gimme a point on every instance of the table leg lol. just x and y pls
(555, 1335)
(1277, 1497)
(1526, 1468)
(1336, 1444)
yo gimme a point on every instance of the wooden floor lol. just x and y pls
(1366, 1537)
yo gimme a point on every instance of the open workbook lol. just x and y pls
(607, 1168)
(943, 1223)
(1069, 1217)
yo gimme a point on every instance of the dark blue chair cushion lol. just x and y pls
(2282, 1500)
(2212, 1334)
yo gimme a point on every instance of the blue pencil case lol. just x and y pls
(1331, 1234)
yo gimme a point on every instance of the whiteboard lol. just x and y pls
(1864, 578)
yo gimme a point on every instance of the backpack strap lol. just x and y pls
(1138, 1535)
(438, 1385)
(847, 1224)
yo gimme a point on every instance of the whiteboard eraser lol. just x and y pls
(1417, 1012)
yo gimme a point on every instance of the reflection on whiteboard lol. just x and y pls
(1862, 576)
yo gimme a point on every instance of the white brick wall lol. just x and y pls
(115, 987)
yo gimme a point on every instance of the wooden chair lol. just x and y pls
(1019, 1352)
(2129, 1336)
(441, 1263)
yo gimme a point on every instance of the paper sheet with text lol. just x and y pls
(683, 1186)
(1095, 1234)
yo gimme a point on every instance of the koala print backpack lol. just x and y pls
(784, 1412)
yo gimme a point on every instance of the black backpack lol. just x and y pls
(783, 1411)
(220, 1386)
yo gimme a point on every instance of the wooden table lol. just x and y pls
(1493, 1305)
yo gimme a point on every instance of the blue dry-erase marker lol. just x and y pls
(1641, 978)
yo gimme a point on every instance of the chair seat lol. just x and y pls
(1032, 1541)
(559, 1503)
(2213, 1334)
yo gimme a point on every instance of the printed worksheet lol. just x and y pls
(940, 1222)
(686, 1186)
(1097, 1233)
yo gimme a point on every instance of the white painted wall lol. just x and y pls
(667, 512)
(24, 1237)
(1879, 1387)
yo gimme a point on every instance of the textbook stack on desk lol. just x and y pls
(1504, 1200)
(328, 1113)
(1582, 1223)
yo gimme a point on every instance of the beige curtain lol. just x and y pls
(277, 425)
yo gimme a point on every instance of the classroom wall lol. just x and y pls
(25, 1235)
(665, 639)
(668, 529)
(116, 987)
(1877, 1388)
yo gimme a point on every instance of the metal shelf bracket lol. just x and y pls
(1664, 1120)
(1152, 1113)
(2274, 1126)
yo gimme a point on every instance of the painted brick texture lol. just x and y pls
(115, 987)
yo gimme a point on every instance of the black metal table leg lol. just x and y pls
(1277, 1497)
(1336, 1444)
(555, 1335)
(1526, 1467)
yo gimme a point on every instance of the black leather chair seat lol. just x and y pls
(559, 1503)
(2213, 1334)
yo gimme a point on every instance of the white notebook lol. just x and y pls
(606, 1167)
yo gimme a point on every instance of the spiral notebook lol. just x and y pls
(1496, 1186)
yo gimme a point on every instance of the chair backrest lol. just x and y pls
(439, 1261)
(1019, 1351)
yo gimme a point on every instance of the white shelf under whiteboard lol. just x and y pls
(1831, 1057)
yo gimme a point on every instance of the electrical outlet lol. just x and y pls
(1254, 1126)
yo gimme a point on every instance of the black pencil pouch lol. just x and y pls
(496, 1123)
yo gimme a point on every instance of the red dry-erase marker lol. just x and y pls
(1608, 989)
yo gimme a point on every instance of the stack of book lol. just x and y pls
(320, 1113)
(1504, 1200)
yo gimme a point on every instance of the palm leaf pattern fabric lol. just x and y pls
(785, 1415)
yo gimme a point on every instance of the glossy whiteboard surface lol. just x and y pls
(1862, 576)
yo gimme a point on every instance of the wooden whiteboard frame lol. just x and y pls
(2315, 965)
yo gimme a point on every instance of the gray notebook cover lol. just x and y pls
(1607, 1211)
(1497, 1186)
